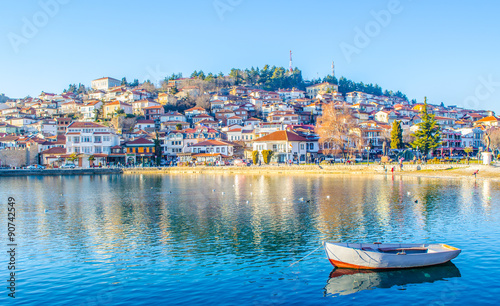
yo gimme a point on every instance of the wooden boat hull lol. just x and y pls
(388, 256)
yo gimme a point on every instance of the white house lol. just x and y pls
(90, 138)
(89, 110)
(172, 116)
(286, 146)
(105, 83)
(385, 116)
(213, 146)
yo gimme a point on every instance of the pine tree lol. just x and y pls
(428, 136)
(396, 135)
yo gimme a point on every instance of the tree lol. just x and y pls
(178, 126)
(149, 86)
(3, 98)
(495, 139)
(396, 135)
(73, 157)
(157, 149)
(267, 155)
(335, 129)
(174, 90)
(120, 111)
(428, 135)
(468, 150)
(255, 157)
(135, 83)
(124, 81)
(97, 113)
(91, 159)
(203, 101)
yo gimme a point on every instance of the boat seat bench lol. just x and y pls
(402, 249)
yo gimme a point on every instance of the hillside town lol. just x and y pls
(117, 124)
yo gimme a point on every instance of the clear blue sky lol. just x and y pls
(438, 49)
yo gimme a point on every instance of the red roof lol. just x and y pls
(282, 136)
(210, 143)
(79, 124)
(55, 151)
(194, 108)
(140, 141)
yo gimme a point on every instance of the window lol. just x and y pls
(98, 149)
(106, 138)
(86, 139)
(223, 150)
(218, 150)
(86, 150)
(76, 139)
(77, 149)
(302, 146)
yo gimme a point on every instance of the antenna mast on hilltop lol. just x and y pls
(333, 69)
(291, 69)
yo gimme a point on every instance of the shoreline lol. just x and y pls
(429, 171)
(438, 171)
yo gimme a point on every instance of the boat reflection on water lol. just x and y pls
(349, 281)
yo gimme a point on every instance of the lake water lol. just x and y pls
(237, 239)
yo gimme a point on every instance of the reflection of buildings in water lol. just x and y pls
(486, 193)
(349, 281)
(349, 205)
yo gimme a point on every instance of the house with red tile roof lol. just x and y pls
(111, 108)
(213, 146)
(488, 121)
(286, 146)
(140, 151)
(194, 111)
(153, 112)
(90, 138)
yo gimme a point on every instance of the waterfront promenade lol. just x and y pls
(428, 170)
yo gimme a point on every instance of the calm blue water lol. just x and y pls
(172, 240)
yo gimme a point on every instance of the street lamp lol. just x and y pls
(369, 148)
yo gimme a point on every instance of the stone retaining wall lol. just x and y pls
(25, 172)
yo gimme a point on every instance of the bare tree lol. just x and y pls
(335, 129)
(149, 86)
(494, 136)
(203, 101)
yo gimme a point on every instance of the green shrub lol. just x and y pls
(255, 157)
(266, 155)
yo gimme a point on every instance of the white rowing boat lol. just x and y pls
(388, 255)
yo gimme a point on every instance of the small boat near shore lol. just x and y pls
(388, 255)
